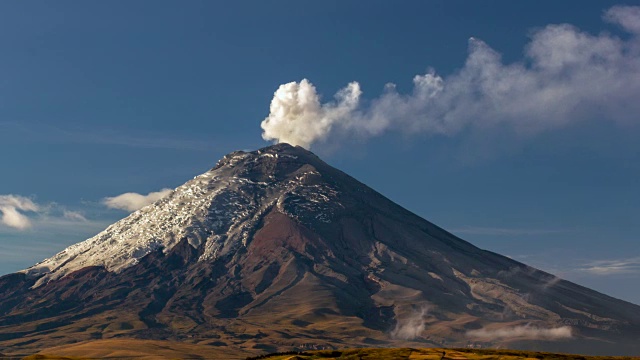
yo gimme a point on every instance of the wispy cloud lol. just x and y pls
(73, 215)
(21, 213)
(47, 133)
(567, 76)
(526, 331)
(498, 231)
(579, 269)
(133, 201)
(613, 267)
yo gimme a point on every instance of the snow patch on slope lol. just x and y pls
(217, 209)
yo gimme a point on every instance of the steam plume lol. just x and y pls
(567, 76)
(298, 118)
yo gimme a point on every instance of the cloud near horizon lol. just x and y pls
(133, 201)
(526, 331)
(567, 76)
(613, 267)
(13, 208)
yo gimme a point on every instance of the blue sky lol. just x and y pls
(99, 99)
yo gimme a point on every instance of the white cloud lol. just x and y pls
(134, 201)
(15, 209)
(12, 208)
(567, 76)
(526, 331)
(13, 218)
(73, 215)
(628, 17)
(613, 267)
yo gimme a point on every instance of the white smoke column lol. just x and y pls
(567, 76)
(297, 117)
(526, 331)
(409, 328)
(12, 206)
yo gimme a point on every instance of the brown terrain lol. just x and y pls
(142, 350)
(316, 260)
(155, 349)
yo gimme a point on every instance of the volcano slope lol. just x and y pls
(275, 250)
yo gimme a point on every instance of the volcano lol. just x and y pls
(275, 250)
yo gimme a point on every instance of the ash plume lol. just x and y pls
(567, 76)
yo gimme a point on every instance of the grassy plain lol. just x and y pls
(432, 354)
(151, 349)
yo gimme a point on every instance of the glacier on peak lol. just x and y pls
(214, 210)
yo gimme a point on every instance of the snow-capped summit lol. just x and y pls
(215, 210)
